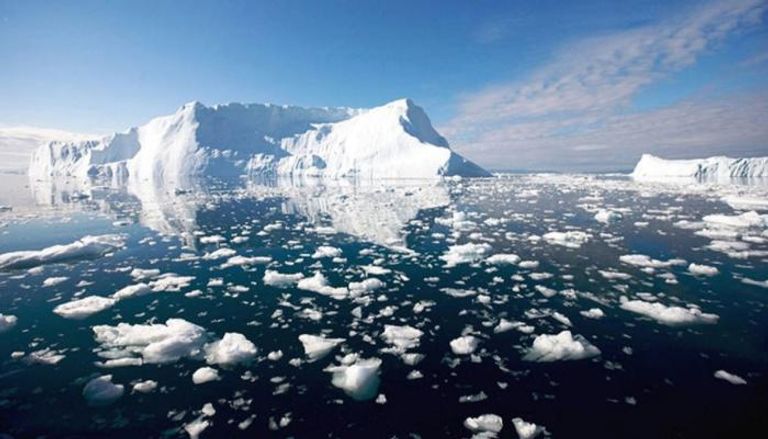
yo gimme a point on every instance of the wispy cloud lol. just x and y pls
(578, 100)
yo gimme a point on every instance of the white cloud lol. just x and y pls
(576, 105)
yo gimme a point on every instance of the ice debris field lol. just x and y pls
(516, 306)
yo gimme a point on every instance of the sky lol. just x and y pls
(513, 85)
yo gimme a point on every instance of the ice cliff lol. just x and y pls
(395, 140)
(716, 168)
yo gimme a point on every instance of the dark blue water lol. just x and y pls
(650, 380)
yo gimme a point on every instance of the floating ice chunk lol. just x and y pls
(593, 313)
(244, 261)
(136, 290)
(606, 216)
(171, 282)
(233, 348)
(53, 281)
(7, 322)
(466, 253)
(142, 273)
(702, 270)
(85, 307)
(401, 338)
(743, 221)
(464, 345)
(213, 239)
(204, 375)
(280, 280)
(505, 325)
(668, 315)
(319, 284)
(546, 291)
(503, 259)
(220, 253)
(610, 274)
(154, 343)
(526, 430)
(731, 378)
(459, 293)
(195, 428)
(145, 386)
(326, 251)
(488, 425)
(275, 355)
(562, 346)
(530, 265)
(366, 286)
(647, 262)
(101, 391)
(359, 380)
(570, 239)
(317, 346)
(88, 247)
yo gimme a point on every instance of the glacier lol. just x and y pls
(712, 168)
(395, 140)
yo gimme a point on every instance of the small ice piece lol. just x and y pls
(526, 430)
(731, 378)
(233, 348)
(503, 259)
(53, 281)
(219, 253)
(593, 313)
(607, 216)
(145, 386)
(275, 355)
(562, 346)
(101, 391)
(317, 346)
(195, 428)
(319, 284)
(136, 290)
(326, 251)
(85, 307)
(360, 380)
(204, 375)
(570, 239)
(488, 425)
(171, 282)
(464, 345)
(213, 239)
(647, 262)
(246, 261)
(7, 322)
(465, 253)
(87, 247)
(668, 315)
(280, 280)
(702, 270)
(401, 338)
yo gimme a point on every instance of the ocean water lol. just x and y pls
(624, 374)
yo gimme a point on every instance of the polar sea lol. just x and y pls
(526, 305)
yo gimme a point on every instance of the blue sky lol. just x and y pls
(513, 84)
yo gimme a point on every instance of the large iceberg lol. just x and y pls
(712, 168)
(395, 140)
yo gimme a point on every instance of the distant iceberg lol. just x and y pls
(395, 140)
(712, 168)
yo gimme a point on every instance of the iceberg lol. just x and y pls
(712, 168)
(395, 140)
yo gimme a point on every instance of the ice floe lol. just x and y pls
(668, 315)
(87, 247)
(558, 347)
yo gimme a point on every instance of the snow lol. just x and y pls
(718, 167)
(729, 377)
(87, 247)
(465, 253)
(570, 239)
(232, 349)
(395, 140)
(464, 345)
(83, 308)
(558, 347)
(317, 346)
(359, 380)
(7, 322)
(204, 375)
(102, 391)
(487, 425)
(668, 315)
